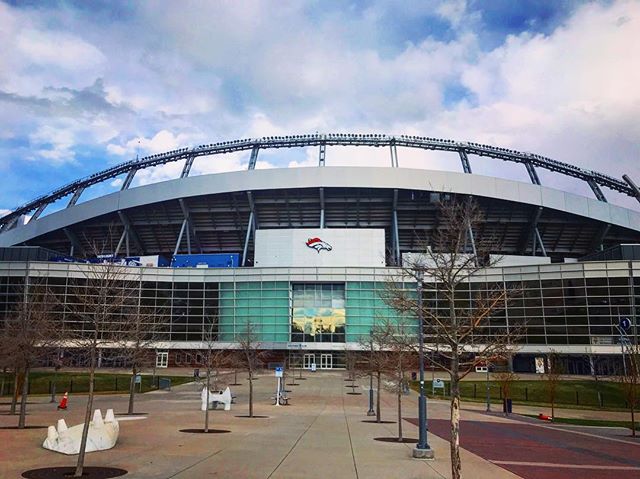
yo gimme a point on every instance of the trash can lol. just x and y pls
(196, 373)
(507, 406)
(414, 376)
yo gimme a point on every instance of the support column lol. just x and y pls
(251, 227)
(75, 197)
(542, 248)
(254, 158)
(129, 178)
(184, 224)
(322, 154)
(395, 235)
(633, 186)
(596, 190)
(533, 174)
(75, 242)
(187, 167)
(394, 155)
(466, 166)
(38, 212)
(321, 208)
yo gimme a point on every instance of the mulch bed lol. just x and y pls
(66, 472)
(201, 431)
(395, 439)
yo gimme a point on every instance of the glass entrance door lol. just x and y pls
(326, 361)
(309, 359)
(162, 359)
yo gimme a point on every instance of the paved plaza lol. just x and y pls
(322, 434)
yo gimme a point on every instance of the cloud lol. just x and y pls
(121, 80)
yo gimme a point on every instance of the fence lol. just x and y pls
(80, 384)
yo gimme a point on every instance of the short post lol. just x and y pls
(577, 398)
(71, 385)
(475, 388)
(526, 393)
(488, 390)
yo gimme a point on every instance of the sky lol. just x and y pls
(87, 85)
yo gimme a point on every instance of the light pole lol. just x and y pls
(371, 411)
(422, 449)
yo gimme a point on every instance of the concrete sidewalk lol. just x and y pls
(321, 434)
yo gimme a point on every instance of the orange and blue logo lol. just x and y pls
(318, 244)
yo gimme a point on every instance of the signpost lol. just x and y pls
(437, 384)
(279, 372)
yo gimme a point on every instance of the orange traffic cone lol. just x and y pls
(63, 401)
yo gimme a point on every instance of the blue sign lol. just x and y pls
(279, 371)
(625, 324)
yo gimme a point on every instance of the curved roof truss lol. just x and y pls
(530, 160)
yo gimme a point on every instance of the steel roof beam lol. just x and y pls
(596, 190)
(76, 196)
(76, 245)
(321, 208)
(129, 178)
(633, 186)
(533, 174)
(394, 155)
(295, 141)
(131, 232)
(466, 167)
(191, 231)
(187, 166)
(322, 154)
(254, 158)
(529, 234)
(39, 211)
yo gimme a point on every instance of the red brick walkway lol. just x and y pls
(535, 452)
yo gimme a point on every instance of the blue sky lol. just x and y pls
(85, 85)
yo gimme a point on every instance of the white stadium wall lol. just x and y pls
(320, 247)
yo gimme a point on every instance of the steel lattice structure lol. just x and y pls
(531, 161)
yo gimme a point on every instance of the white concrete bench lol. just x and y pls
(216, 397)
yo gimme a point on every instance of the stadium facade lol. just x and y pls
(303, 254)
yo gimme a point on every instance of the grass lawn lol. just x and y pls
(40, 382)
(590, 422)
(579, 393)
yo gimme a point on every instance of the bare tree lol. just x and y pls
(552, 379)
(377, 359)
(506, 380)
(140, 334)
(249, 356)
(28, 333)
(213, 360)
(630, 380)
(98, 309)
(462, 312)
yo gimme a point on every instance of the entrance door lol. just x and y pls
(309, 359)
(326, 361)
(162, 359)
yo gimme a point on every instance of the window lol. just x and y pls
(318, 312)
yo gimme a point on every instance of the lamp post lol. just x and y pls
(371, 411)
(422, 449)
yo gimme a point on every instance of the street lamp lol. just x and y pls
(371, 411)
(422, 449)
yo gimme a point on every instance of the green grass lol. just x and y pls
(39, 382)
(589, 422)
(578, 393)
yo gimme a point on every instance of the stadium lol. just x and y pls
(302, 254)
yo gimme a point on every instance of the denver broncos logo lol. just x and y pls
(317, 244)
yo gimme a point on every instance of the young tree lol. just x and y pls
(552, 379)
(213, 360)
(630, 380)
(377, 359)
(28, 332)
(99, 306)
(461, 312)
(399, 355)
(141, 332)
(506, 379)
(249, 357)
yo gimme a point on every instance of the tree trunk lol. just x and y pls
(378, 414)
(206, 411)
(250, 393)
(456, 465)
(23, 399)
(132, 389)
(14, 397)
(400, 409)
(87, 414)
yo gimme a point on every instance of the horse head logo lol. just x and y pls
(318, 245)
